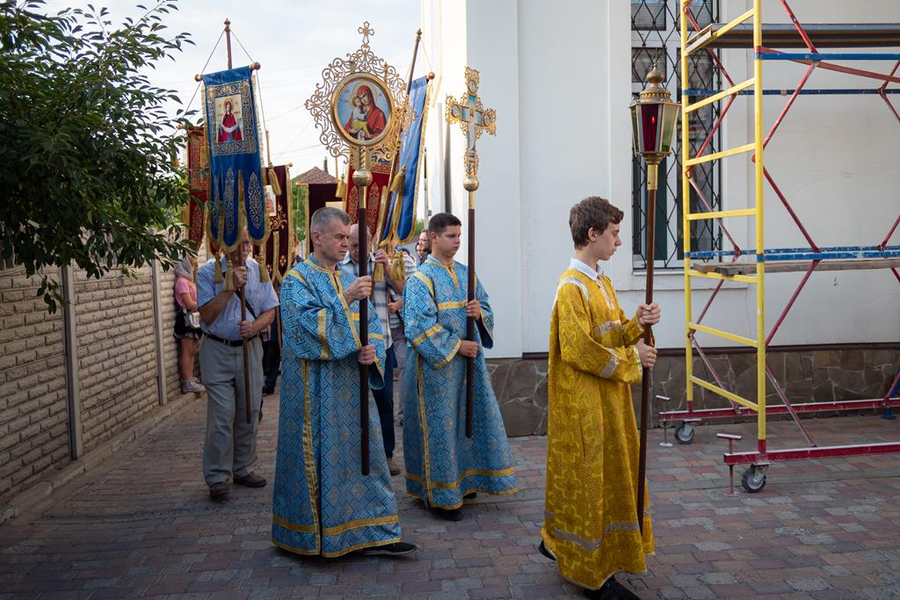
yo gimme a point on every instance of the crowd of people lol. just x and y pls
(323, 504)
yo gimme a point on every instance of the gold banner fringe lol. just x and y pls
(273, 181)
(263, 271)
(229, 277)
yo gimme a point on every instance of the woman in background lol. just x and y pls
(187, 323)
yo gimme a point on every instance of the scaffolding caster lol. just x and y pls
(754, 478)
(684, 433)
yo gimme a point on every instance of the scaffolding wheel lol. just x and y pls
(754, 479)
(684, 434)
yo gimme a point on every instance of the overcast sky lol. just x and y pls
(293, 40)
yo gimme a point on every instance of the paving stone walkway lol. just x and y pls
(142, 526)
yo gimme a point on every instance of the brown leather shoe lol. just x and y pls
(251, 480)
(219, 492)
(392, 467)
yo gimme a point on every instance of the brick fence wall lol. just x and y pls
(117, 375)
(33, 433)
(116, 353)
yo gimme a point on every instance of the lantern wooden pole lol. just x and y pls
(652, 169)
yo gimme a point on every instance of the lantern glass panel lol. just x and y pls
(635, 141)
(670, 119)
(649, 127)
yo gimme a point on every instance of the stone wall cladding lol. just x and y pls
(116, 353)
(805, 375)
(117, 375)
(170, 344)
(33, 436)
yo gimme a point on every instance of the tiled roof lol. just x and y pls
(314, 175)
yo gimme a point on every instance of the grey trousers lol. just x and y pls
(230, 447)
(398, 337)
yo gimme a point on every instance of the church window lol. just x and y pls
(656, 40)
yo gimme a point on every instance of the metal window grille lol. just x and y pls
(656, 39)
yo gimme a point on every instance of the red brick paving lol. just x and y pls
(141, 526)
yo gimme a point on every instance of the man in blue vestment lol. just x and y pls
(322, 505)
(443, 466)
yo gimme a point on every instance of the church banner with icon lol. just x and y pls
(235, 170)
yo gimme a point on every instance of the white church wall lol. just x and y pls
(544, 65)
(565, 156)
(484, 37)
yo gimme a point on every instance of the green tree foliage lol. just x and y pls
(299, 196)
(87, 161)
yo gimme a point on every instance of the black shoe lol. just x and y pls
(471, 496)
(543, 549)
(621, 592)
(448, 514)
(219, 492)
(394, 549)
(268, 390)
(611, 590)
(604, 593)
(251, 480)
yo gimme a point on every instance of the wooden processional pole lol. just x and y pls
(652, 169)
(362, 178)
(366, 76)
(243, 294)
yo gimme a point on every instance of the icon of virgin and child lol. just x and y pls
(366, 120)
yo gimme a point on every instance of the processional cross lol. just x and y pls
(473, 120)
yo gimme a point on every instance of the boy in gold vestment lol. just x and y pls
(596, 353)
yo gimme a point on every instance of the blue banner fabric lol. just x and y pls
(236, 184)
(401, 217)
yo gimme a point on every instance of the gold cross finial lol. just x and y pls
(366, 32)
(472, 117)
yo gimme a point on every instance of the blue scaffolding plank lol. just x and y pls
(828, 56)
(803, 92)
(830, 253)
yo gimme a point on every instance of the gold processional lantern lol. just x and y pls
(653, 119)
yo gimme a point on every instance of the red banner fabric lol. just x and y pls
(280, 243)
(198, 183)
(381, 179)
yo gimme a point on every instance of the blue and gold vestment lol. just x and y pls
(442, 464)
(321, 504)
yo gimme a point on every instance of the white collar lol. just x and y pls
(349, 260)
(583, 268)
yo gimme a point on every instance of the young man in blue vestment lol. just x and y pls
(321, 504)
(443, 466)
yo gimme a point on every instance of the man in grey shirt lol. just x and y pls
(229, 451)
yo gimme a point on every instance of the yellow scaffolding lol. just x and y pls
(734, 34)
